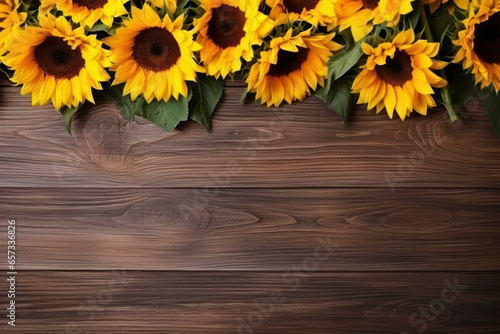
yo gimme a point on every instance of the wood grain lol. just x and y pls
(126, 228)
(219, 302)
(255, 229)
(303, 145)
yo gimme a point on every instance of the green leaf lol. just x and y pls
(181, 7)
(342, 62)
(101, 27)
(441, 23)
(244, 96)
(462, 85)
(347, 35)
(337, 96)
(24, 6)
(492, 105)
(206, 94)
(414, 15)
(128, 107)
(167, 114)
(67, 112)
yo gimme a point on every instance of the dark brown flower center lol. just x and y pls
(297, 6)
(397, 70)
(370, 4)
(91, 4)
(156, 49)
(288, 62)
(225, 28)
(487, 40)
(56, 58)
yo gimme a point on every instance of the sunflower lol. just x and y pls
(362, 15)
(153, 56)
(9, 18)
(316, 12)
(227, 32)
(292, 67)
(479, 43)
(87, 12)
(397, 75)
(434, 4)
(55, 62)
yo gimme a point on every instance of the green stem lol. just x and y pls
(445, 91)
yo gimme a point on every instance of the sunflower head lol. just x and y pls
(227, 32)
(55, 62)
(361, 15)
(9, 19)
(479, 43)
(153, 56)
(398, 75)
(292, 67)
(87, 12)
(315, 12)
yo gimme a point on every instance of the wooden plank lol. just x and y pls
(303, 145)
(254, 229)
(242, 302)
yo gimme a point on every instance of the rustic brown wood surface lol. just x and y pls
(278, 221)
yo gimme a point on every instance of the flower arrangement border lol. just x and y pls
(167, 60)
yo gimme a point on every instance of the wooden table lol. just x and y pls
(278, 221)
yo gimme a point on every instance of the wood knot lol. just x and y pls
(100, 138)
